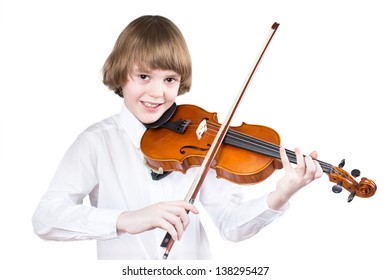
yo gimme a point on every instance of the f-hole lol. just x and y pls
(182, 149)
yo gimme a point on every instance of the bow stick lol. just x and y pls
(168, 241)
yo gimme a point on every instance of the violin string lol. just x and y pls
(257, 145)
(268, 148)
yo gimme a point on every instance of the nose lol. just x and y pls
(156, 89)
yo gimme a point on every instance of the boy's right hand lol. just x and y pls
(171, 216)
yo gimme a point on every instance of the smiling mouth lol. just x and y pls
(150, 104)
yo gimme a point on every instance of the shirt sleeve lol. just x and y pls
(236, 218)
(60, 214)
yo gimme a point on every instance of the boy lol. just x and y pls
(130, 212)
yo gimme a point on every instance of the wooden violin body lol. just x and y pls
(249, 153)
(168, 150)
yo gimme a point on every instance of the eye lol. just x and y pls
(143, 77)
(171, 80)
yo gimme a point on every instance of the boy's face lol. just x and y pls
(148, 94)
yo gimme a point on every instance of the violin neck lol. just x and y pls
(259, 146)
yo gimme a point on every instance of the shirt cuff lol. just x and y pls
(254, 217)
(102, 223)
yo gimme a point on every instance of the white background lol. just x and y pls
(322, 85)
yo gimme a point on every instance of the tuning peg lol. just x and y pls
(342, 163)
(337, 188)
(351, 196)
(355, 173)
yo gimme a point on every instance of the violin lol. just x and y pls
(189, 136)
(249, 153)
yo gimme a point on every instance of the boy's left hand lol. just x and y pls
(306, 170)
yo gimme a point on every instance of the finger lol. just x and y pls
(314, 155)
(179, 207)
(175, 213)
(183, 210)
(183, 215)
(300, 160)
(284, 158)
(179, 210)
(310, 167)
(319, 171)
(188, 206)
(176, 222)
(168, 227)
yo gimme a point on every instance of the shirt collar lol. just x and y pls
(133, 127)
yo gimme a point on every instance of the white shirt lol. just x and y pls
(106, 164)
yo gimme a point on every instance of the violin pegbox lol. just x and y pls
(338, 187)
(365, 188)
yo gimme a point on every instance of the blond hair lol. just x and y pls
(150, 42)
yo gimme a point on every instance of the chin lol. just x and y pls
(149, 119)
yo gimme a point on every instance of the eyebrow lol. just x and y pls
(175, 75)
(138, 70)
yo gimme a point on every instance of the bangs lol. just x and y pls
(158, 49)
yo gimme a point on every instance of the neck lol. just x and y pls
(253, 144)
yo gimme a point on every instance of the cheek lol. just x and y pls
(171, 93)
(131, 92)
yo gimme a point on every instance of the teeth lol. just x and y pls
(150, 105)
